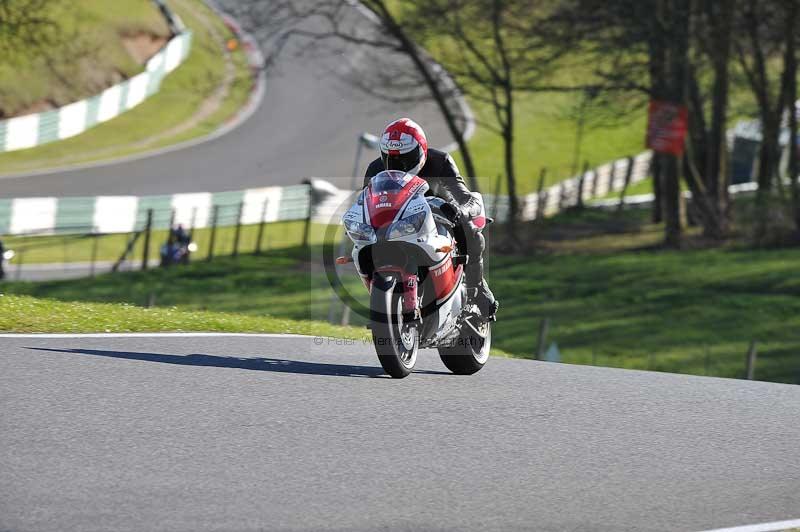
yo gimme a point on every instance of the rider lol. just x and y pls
(404, 147)
(180, 235)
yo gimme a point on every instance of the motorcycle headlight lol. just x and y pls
(407, 226)
(359, 231)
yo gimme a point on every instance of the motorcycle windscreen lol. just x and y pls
(387, 193)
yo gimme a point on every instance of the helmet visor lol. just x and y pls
(405, 162)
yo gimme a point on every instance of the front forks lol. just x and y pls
(410, 301)
(409, 283)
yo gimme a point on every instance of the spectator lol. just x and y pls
(180, 235)
(2, 258)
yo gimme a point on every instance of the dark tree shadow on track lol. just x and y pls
(278, 365)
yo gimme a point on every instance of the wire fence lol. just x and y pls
(118, 232)
(64, 256)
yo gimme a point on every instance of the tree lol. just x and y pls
(768, 29)
(494, 51)
(685, 51)
(27, 28)
(489, 50)
(706, 164)
(629, 41)
(669, 53)
(792, 22)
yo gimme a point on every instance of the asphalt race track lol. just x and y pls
(306, 125)
(288, 433)
(53, 271)
(246, 433)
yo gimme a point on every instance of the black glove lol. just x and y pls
(451, 211)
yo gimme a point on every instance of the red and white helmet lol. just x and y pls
(404, 146)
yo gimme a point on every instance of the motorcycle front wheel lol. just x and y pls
(470, 351)
(395, 338)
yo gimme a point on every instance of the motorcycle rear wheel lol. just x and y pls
(469, 352)
(395, 339)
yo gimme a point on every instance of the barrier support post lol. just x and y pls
(147, 230)
(95, 236)
(544, 327)
(612, 176)
(213, 236)
(496, 202)
(541, 201)
(237, 234)
(628, 175)
(582, 183)
(752, 355)
(261, 227)
(307, 228)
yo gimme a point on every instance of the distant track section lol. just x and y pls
(306, 125)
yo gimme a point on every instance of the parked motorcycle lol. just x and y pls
(5, 255)
(407, 257)
(176, 253)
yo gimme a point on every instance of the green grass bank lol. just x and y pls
(34, 315)
(632, 307)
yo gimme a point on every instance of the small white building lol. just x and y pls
(745, 140)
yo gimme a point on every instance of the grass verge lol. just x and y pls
(32, 315)
(612, 299)
(182, 94)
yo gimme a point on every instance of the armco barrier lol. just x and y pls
(646, 200)
(33, 130)
(123, 214)
(599, 182)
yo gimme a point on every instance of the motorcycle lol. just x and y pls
(5, 256)
(407, 256)
(176, 253)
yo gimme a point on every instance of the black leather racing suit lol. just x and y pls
(441, 173)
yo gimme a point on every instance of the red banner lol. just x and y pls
(668, 124)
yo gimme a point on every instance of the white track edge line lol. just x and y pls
(154, 335)
(774, 526)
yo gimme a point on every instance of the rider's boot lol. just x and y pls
(478, 291)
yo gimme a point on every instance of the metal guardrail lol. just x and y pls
(595, 183)
(599, 182)
(645, 200)
(36, 129)
(126, 214)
